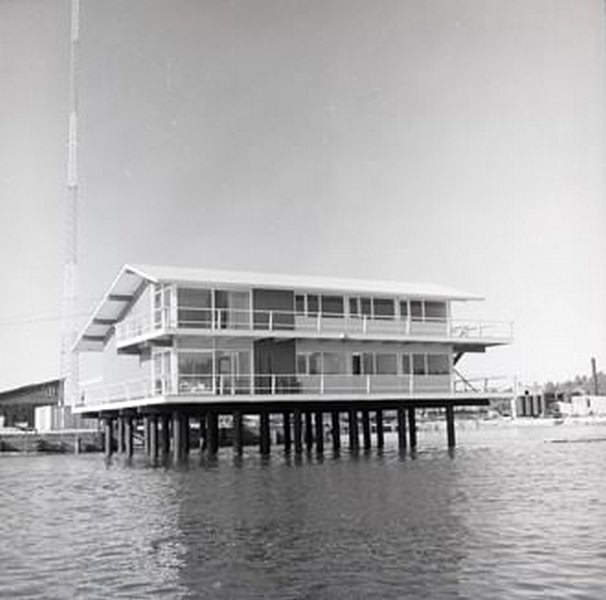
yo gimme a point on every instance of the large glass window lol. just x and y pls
(406, 368)
(438, 364)
(313, 305)
(334, 363)
(193, 307)
(387, 364)
(195, 372)
(368, 363)
(404, 309)
(418, 364)
(416, 310)
(383, 308)
(435, 311)
(300, 304)
(332, 306)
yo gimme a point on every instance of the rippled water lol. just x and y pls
(510, 515)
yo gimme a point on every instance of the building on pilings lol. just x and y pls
(181, 343)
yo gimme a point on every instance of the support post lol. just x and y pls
(178, 450)
(380, 431)
(412, 427)
(401, 413)
(202, 437)
(108, 438)
(296, 416)
(354, 440)
(185, 422)
(336, 430)
(238, 433)
(450, 426)
(366, 429)
(212, 428)
(264, 437)
(286, 431)
(309, 434)
(128, 436)
(319, 417)
(146, 434)
(165, 435)
(153, 437)
(120, 434)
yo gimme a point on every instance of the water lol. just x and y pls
(510, 515)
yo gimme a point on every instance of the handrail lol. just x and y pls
(228, 319)
(201, 385)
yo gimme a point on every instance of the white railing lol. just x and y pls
(224, 319)
(272, 385)
(499, 384)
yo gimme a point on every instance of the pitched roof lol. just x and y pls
(129, 280)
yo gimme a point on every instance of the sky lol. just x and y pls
(459, 142)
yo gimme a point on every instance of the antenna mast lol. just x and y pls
(69, 359)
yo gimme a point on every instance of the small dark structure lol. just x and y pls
(18, 405)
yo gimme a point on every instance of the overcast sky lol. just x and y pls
(459, 142)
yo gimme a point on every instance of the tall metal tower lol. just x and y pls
(69, 359)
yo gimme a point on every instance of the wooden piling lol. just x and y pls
(128, 436)
(238, 434)
(450, 426)
(401, 414)
(366, 429)
(165, 434)
(354, 440)
(120, 434)
(412, 428)
(309, 433)
(319, 418)
(379, 427)
(212, 428)
(153, 437)
(177, 441)
(296, 416)
(335, 430)
(108, 437)
(264, 436)
(286, 431)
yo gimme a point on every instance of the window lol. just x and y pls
(383, 308)
(418, 364)
(435, 311)
(366, 307)
(354, 307)
(300, 304)
(404, 309)
(416, 310)
(195, 372)
(193, 307)
(387, 364)
(313, 305)
(332, 306)
(315, 363)
(406, 370)
(334, 363)
(438, 364)
(309, 363)
(368, 363)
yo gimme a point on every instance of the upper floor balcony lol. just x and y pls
(163, 322)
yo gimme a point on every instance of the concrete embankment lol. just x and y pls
(73, 441)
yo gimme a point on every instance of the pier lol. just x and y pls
(306, 428)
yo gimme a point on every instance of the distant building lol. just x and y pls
(18, 405)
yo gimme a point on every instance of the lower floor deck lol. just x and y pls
(175, 430)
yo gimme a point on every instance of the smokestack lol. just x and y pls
(594, 373)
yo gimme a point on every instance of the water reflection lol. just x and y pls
(505, 516)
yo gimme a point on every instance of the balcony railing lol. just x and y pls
(189, 386)
(227, 320)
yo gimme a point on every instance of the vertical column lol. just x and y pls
(309, 434)
(128, 436)
(202, 437)
(354, 441)
(379, 424)
(212, 428)
(286, 431)
(264, 441)
(177, 427)
(401, 414)
(238, 434)
(319, 417)
(412, 427)
(335, 430)
(296, 416)
(165, 435)
(185, 423)
(153, 436)
(146, 434)
(108, 438)
(450, 426)
(120, 434)
(366, 429)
